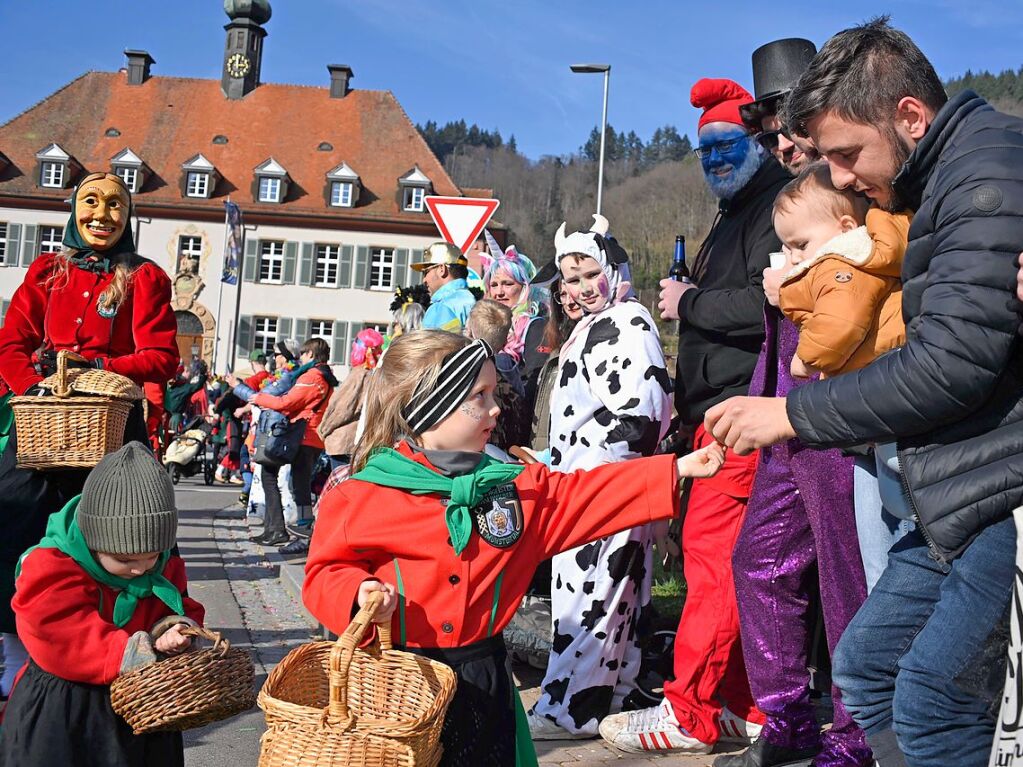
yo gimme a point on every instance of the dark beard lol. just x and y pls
(900, 153)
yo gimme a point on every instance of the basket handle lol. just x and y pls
(62, 388)
(220, 644)
(343, 651)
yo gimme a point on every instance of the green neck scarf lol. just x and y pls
(87, 258)
(63, 534)
(389, 468)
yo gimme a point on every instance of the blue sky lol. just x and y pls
(500, 64)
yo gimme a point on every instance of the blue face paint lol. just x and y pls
(734, 156)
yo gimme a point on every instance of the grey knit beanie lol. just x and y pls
(127, 504)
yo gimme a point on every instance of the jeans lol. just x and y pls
(876, 529)
(301, 479)
(905, 662)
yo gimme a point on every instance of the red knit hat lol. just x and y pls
(720, 100)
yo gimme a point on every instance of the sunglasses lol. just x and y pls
(768, 139)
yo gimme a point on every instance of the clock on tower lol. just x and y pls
(238, 65)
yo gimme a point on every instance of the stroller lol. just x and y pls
(190, 452)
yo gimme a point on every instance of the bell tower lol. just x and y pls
(243, 54)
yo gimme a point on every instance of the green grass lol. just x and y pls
(668, 593)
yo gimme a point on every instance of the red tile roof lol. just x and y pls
(168, 120)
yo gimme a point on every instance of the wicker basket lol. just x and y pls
(187, 690)
(330, 704)
(67, 431)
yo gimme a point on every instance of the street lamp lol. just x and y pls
(590, 69)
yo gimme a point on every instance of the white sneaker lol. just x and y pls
(650, 729)
(542, 728)
(735, 729)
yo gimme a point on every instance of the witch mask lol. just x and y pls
(102, 208)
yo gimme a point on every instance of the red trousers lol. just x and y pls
(709, 669)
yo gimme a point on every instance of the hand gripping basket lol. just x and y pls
(188, 690)
(332, 704)
(79, 423)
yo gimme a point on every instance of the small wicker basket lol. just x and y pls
(188, 690)
(67, 431)
(329, 704)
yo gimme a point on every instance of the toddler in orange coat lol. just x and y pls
(842, 288)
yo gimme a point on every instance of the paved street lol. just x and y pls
(247, 599)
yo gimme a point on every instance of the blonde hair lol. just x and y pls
(117, 290)
(411, 359)
(813, 186)
(490, 321)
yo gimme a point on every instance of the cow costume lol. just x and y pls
(611, 402)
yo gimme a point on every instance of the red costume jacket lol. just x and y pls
(137, 342)
(363, 528)
(65, 618)
(306, 399)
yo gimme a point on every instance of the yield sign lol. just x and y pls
(461, 219)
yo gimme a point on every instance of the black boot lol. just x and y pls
(764, 754)
(276, 539)
(259, 538)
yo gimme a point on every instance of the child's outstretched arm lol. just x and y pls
(702, 463)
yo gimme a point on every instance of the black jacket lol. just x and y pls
(953, 395)
(722, 324)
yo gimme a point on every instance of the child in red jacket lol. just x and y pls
(452, 537)
(101, 594)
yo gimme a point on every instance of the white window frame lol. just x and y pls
(197, 184)
(271, 255)
(3, 243)
(342, 193)
(194, 248)
(322, 325)
(52, 236)
(381, 263)
(327, 261)
(415, 197)
(130, 177)
(269, 189)
(52, 175)
(264, 333)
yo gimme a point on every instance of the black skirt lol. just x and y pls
(51, 721)
(479, 729)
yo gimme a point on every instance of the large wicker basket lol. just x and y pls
(330, 704)
(79, 423)
(188, 690)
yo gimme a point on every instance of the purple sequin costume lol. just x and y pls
(800, 514)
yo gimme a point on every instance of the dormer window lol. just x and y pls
(271, 184)
(199, 178)
(414, 187)
(130, 168)
(343, 187)
(55, 167)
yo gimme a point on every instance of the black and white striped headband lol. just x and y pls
(458, 374)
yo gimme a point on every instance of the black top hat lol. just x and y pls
(776, 68)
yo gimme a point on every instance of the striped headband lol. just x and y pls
(458, 374)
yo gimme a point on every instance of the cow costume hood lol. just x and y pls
(602, 248)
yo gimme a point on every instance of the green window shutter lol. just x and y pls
(28, 245)
(301, 330)
(361, 268)
(414, 277)
(354, 328)
(13, 245)
(250, 269)
(3, 311)
(340, 346)
(399, 273)
(305, 270)
(290, 259)
(243, 342)
(284, 330)
(345, 270)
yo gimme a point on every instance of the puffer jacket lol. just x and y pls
(846, 300)
(952, 397)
